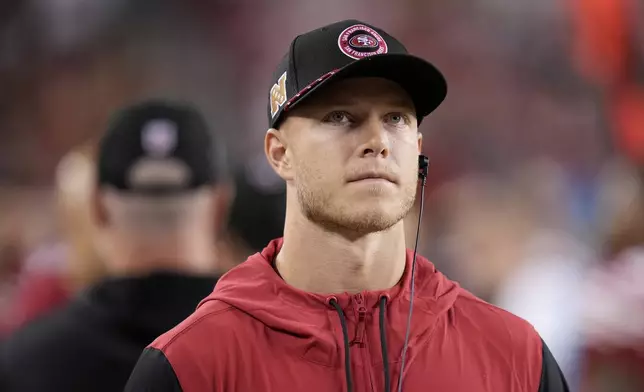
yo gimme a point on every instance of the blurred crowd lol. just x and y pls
(535, 194)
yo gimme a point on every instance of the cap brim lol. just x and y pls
(420, 79)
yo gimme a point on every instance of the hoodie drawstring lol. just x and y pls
(345, 334)
(383, 343)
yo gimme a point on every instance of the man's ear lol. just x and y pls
(420, 143)
(276, 150)
(98, 210)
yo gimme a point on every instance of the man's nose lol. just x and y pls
(377, 139)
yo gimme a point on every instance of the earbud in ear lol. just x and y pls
(423, 166)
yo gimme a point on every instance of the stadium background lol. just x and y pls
(534, 198)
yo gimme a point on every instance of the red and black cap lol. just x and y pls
(345, 49)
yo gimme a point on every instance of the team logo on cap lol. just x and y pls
(278, 95)
(159, 137)
(360, 41)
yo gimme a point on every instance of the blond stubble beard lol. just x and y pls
(317, 206)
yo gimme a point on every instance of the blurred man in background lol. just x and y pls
(75, 181)
(55, 271)
(160, 201)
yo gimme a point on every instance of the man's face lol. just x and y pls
(350, 152)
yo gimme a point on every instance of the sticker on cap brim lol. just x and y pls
(360, 41)
(278, 95)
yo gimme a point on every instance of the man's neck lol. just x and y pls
(140, 258)
(314, 260)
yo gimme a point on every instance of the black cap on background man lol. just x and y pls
(160, 147)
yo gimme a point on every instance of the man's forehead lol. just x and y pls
(348, 92)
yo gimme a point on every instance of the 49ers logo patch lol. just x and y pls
(360, 41)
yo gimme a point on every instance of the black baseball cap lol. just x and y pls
(345, 49)
(158, 147)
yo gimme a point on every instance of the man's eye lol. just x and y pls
(337, 118)
(397, 119)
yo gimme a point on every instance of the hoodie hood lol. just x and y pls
(255, 288)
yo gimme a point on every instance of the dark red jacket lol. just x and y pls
(257, 333)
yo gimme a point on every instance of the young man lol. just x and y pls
(326, 308)
(160, 200)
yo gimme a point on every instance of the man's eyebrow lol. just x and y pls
(352, 101)
(400, 103)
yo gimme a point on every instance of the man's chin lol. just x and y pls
(358, 224)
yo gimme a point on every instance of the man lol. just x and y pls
(160, 200)
(75, 183)
(54, 271)
(326, 308)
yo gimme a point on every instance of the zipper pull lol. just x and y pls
(362, 315)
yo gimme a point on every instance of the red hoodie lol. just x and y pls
(257, 333)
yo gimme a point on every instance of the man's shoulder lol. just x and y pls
(214, 321)
(495, 321)
(184, 357)
(503, 336)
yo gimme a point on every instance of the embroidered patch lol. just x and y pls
(278, 95)
(360, 41)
